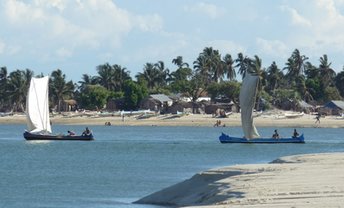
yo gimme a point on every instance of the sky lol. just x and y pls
(78, 35)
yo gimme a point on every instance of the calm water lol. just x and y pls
(124, 164)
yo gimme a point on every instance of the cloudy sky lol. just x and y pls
(77, 35)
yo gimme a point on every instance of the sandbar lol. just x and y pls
(313, 180)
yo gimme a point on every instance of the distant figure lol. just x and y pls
(218, 123)
(295, 134)
(71, 133)
(107, 123)
(87, 132)
(275, 135)
(317, 119)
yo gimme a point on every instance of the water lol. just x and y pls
(124, 164)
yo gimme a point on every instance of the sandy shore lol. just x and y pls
(315, 180)
(266, 119)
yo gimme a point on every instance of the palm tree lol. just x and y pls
(150, 74)
(295, 66)
(256, 68)
(60, 89)
(106, 76)
(243, 64)
(120, 76)
(274, 77)
(164, 73)
(327, 74)
(340, 82)
(18, 84)
(3, 87)
(299, 61)
(200, 66)
(229, 70)
(179, 62)
(87, 80)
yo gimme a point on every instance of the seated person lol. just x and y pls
(71, 133)
(87, 132)
(275, 135)
(295, 134)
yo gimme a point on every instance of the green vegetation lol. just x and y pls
(211, 72)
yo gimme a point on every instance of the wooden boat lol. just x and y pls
(224, 138)
(30, 136)
(247, 99)
(37, 114)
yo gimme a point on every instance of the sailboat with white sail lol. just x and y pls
(37, 114)
(247, 99)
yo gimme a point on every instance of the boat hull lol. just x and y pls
(224, 138)
(29, 136)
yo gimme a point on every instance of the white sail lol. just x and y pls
(37, 106)
(247, 101)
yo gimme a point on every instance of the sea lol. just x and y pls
(126, 163)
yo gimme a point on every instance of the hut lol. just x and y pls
(334, 107)
(156, 102)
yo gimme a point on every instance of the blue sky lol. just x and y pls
(78, 35)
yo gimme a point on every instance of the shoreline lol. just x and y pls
(311, 180)
(233, 120)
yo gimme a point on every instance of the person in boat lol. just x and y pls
(87, 132)
(71, 133)
(295, 134)
(275, 135)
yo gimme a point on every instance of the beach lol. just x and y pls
(314, 180)
(266, 119)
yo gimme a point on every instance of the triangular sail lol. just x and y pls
(247, 100)
(37, 106)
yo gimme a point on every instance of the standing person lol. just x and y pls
(317, 119)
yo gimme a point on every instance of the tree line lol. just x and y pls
(211, 72)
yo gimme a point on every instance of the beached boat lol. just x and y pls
(247, 99)
(37, 114)
(293, 115)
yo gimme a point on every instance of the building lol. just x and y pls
(334, 107)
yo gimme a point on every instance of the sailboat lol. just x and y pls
(37, 114)
(247, 99)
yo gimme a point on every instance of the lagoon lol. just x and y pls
(126, 163)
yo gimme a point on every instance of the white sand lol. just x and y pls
(315, 180)
(266, 119)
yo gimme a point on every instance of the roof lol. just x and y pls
(303, 104)
(335, 104)
(160, 97)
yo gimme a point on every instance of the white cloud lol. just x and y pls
(149, 22)
(296, 18)
(2, 47)
(72, 24)
(227, 47)
(273, 48)
(63, 52)
(210, 10)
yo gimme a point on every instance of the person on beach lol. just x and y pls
(275, 135)
(71, 133)
(317, 119)
(295, 134)
(87, 132)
